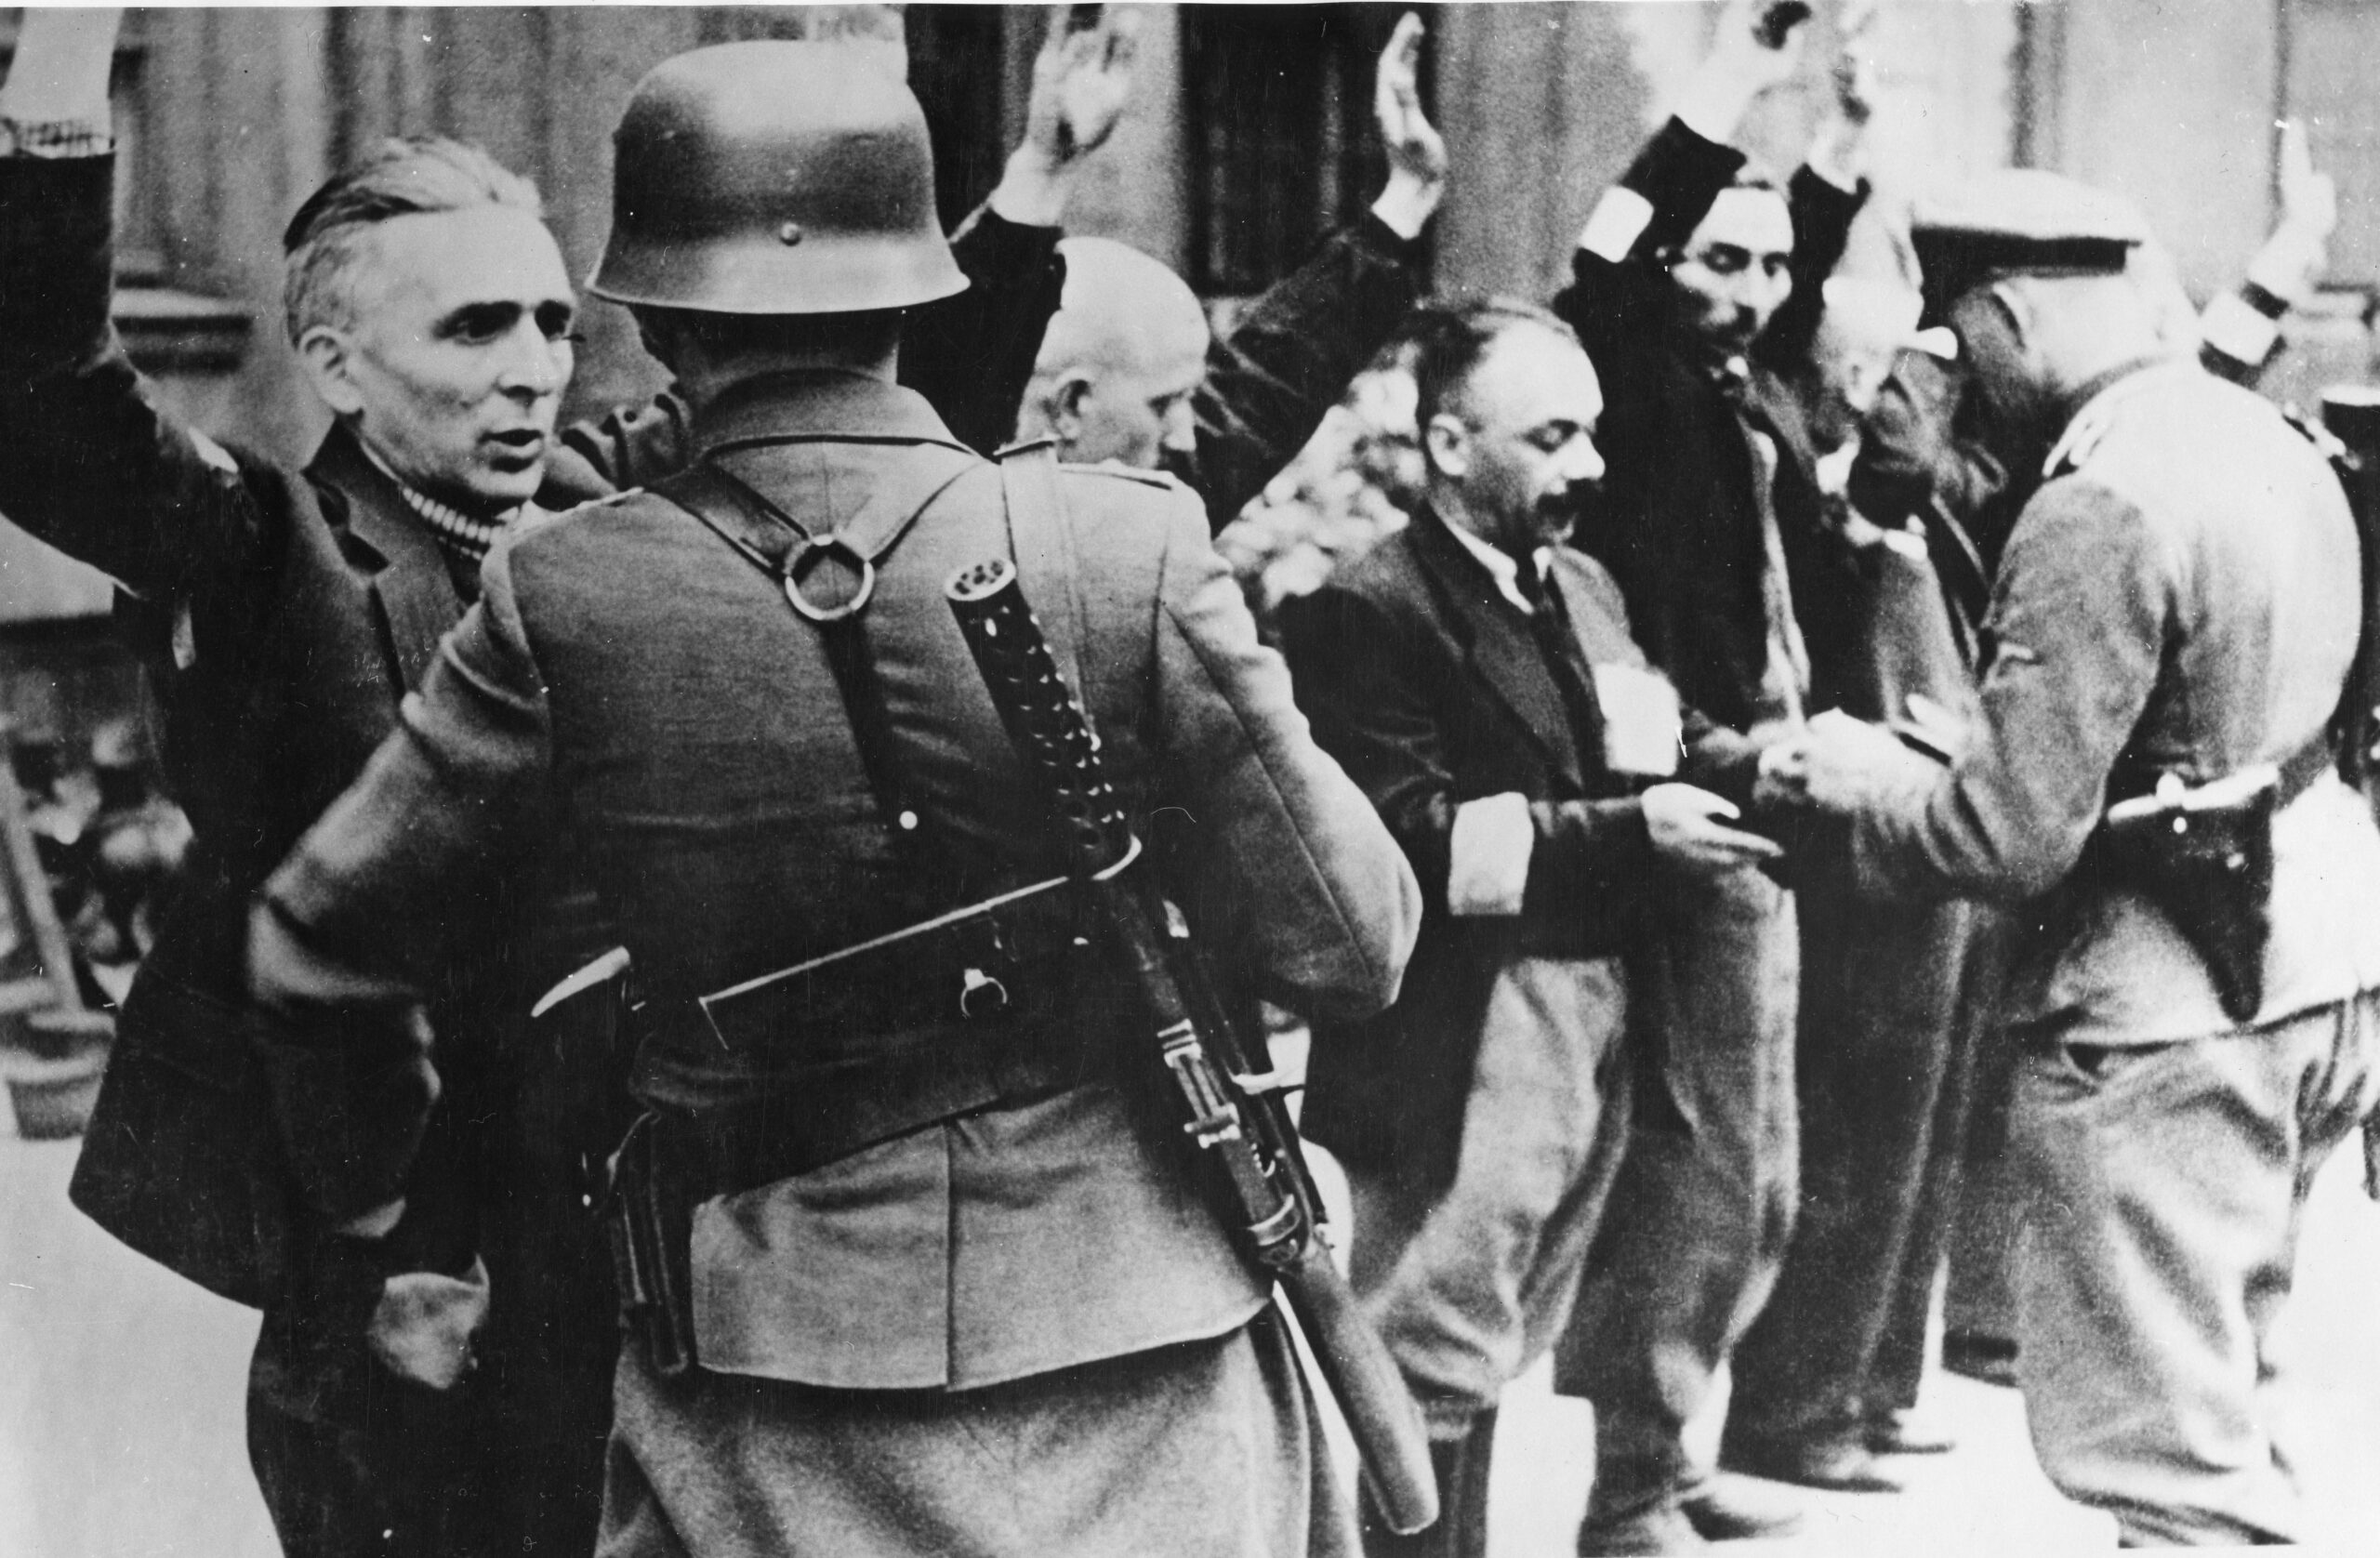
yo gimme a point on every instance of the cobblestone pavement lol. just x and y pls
(121, 1436)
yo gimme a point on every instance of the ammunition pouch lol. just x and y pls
(2203, 855)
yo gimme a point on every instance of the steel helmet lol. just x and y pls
(773, 177)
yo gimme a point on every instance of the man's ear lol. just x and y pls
(1447, 442)
(327, 354)
(1065, 401)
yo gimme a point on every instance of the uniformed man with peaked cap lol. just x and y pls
(2178, 602)
(948, 1287)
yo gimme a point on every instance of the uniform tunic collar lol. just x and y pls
(818, 403)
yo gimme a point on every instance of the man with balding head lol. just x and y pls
(1127, 374)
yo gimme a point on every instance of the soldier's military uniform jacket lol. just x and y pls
(633, 696)
(2180, 596)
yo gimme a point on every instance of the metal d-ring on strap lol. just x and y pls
(805, 555)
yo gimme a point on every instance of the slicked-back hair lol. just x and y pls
(402, 177)
(1451, 338)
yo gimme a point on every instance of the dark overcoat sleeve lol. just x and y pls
(1291, 356)
(1380, 686)
(90, 459)
(403, 875)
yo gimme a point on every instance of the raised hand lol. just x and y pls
(2298, 251)
(1416, 154)
(1855, 68)
(1082, 79)
(61, 65)
(1757, 46)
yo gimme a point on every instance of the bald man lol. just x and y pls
(1129, 374)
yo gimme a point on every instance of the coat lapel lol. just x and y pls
(1497, 641)
(413, 594)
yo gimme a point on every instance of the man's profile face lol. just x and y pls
(458, 352)
(1528, 456)
(1136, 405)
(2003, 387)
(1737, 269)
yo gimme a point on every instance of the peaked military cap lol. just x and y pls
(2020, 222)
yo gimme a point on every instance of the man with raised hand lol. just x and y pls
(1713, 532)
(1128, 373)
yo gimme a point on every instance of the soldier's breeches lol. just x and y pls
(2163, 1190)
(1207, 1449)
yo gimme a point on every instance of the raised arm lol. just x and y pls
(1296, 348)
(2241, 331)
(972, 355)
(90, 461)
(1614, 301)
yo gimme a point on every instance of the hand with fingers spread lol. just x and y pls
(1688, 828)
(1082, 80)
(1417, 152)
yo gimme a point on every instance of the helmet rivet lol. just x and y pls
(789, 234)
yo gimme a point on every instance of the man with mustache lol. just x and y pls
(285, 615)
(1710, 529)
(1476, 678)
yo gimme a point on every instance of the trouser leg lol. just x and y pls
(1878, 987)
(2166, 1186)
(1467, 1283)
(1698, 1224)
(1898, 1369)
(1978, 1305)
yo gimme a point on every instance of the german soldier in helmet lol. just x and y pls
(926, 1274)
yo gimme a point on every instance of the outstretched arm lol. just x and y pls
(90, 461)
(972, 355)
(2241, 331)
(1296, 348)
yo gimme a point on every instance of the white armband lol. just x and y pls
(1488, 855)
(1619, 218)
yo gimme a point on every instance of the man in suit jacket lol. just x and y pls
(951, 1286)
(1478, 679)
(285, 614)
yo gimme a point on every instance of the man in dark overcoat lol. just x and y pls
(1477, 678)
(945, 1278)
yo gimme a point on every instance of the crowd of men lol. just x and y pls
(618, 1025)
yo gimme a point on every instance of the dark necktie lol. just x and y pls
(1548, 623)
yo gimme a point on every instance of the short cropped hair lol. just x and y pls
(1449, 339)
(401, 177)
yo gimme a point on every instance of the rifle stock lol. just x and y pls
(1235, 1115)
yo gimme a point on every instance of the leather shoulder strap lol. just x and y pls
(1042, 539)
